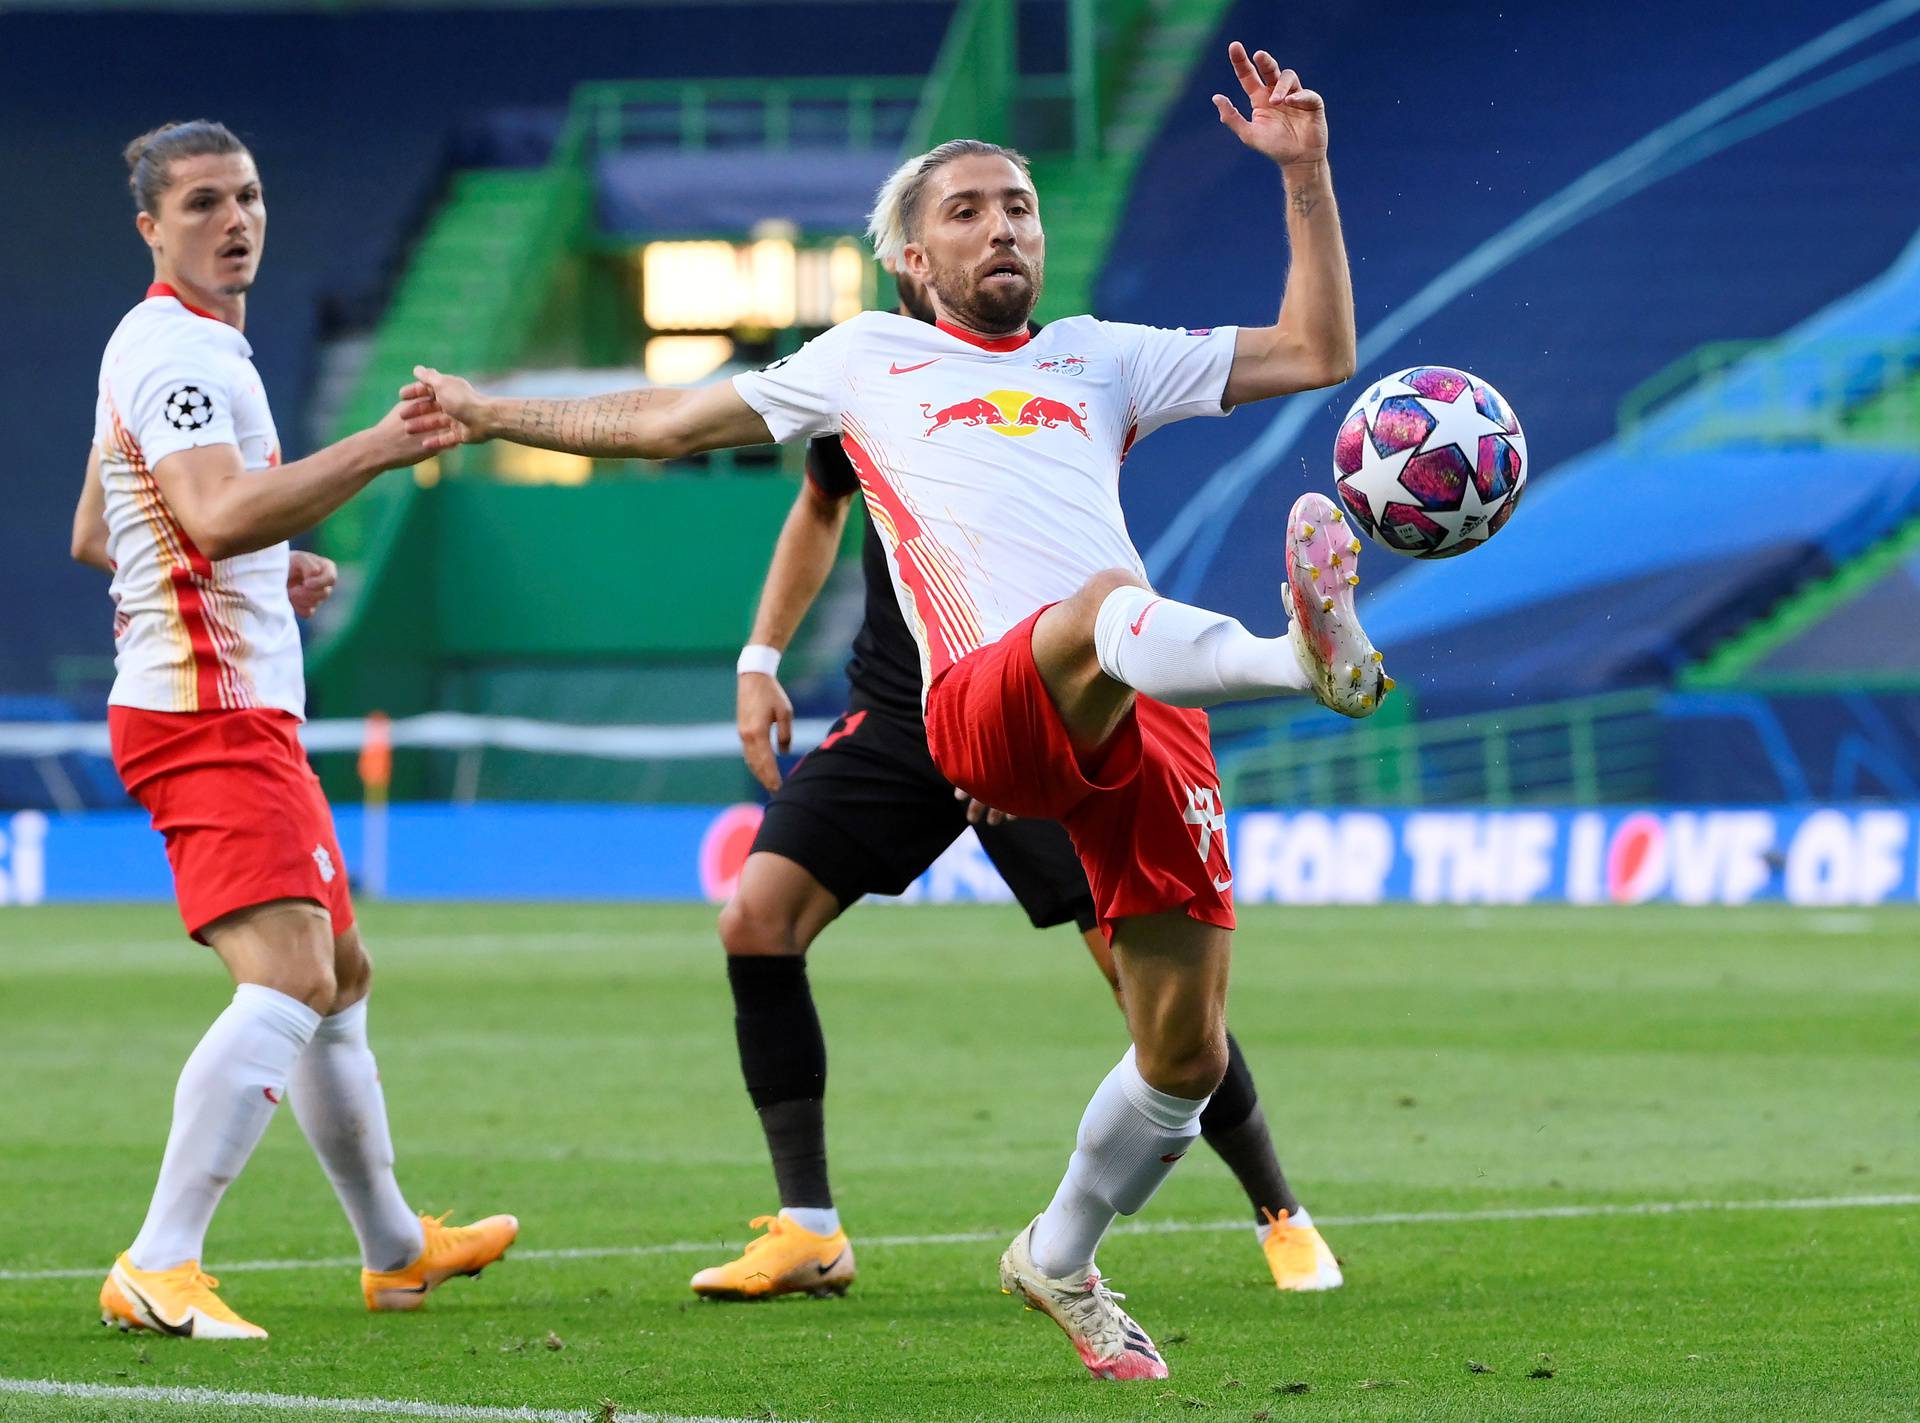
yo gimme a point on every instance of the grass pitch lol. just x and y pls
(576, 1065)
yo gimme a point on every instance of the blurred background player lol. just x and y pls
(1057, 683)
(186, 503)
(866, 813)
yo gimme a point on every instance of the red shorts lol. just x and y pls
(243, 814)
(1144, 810)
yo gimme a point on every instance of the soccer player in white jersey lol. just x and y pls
(1057, 684)
(187, 504)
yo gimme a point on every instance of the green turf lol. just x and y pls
(575, 1065)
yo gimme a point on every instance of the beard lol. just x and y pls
(913, 299)
(989, 309)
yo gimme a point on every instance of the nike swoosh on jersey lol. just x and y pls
(1141, 621)
(894, 369)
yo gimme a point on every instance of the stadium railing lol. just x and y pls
(1586, 751)
(1839, 391)
(47, 744)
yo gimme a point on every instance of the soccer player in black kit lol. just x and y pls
(866, 813)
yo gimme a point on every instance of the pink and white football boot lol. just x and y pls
(1109, 1343)
(1323, 569)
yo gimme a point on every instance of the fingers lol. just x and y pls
(784, 721)
(417, 406)
(759, 754)
(416, 390)
(1231, 117)
(1305, 99)
(1280, 82)
(1245, 71)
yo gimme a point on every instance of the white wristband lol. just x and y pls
(758, 657)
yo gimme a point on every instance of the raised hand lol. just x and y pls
(310, 581)
(1287, 123)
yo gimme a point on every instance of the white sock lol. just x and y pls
(1299, 1218)
(221, 1106)
(1187, 656)
(339, 1105)
(1129, 1139)
(820, 1220)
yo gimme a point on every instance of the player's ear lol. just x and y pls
(913, 261)
(149, 229)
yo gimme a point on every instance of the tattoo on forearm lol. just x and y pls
(1304, 203)
(603, 425)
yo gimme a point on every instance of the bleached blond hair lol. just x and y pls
(896, 207)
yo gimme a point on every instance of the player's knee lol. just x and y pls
(352, 971)
(1191, 1070)
(1096, 589)
(308, 977)
(749, 929)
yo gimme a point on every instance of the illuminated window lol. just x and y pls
(682, 360)
(521, 464)
(768, 284)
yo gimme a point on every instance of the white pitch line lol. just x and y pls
(1164, 1227)
(307, 1403)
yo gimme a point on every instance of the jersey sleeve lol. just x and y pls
(830, 469)
(801, 394)
(1172, 374)
(176, 400)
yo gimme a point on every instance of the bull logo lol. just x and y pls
(1013, 413)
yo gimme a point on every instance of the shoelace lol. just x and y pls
(1099, 1315)
(769, 1223)
(440, 1233)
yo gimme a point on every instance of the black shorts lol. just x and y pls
(865, 812)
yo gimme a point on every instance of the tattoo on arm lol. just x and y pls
(603, 425)
(1304, 203)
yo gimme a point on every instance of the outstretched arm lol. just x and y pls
(90, 518)
(636, 424)
(1312, 343)
(227, 511)
(802, 559)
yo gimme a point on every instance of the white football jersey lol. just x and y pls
(991, 468)
(191, 634)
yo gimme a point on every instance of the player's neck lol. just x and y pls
(216, 305)
(1007, 340)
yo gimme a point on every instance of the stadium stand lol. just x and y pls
(348, 183)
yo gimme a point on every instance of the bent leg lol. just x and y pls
(773, 918)
(1144, 1116)
(1115, 637)
(342, 1109)
(280, 956)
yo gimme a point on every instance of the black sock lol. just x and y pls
(1236, 1128)
(783, 1057)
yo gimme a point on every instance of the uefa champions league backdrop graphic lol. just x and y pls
(1731, 855)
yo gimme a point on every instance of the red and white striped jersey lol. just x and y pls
(991, 468)
(191, 634)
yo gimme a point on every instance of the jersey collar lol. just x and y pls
(996, 343)
(164, 289)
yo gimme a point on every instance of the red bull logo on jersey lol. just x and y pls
(1013, 413)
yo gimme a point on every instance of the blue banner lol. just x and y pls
(1809, 855)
